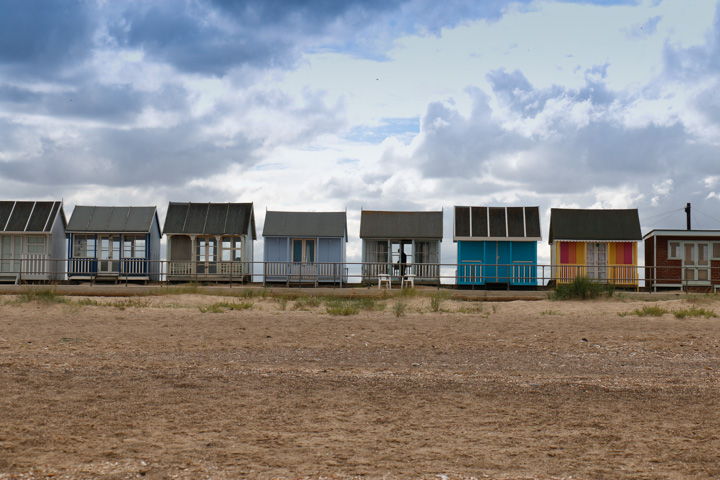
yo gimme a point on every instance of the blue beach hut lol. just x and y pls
(305, 247)
(497, 245)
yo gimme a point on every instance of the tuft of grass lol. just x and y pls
(84, 302)
(341, 307)
(646, 311)
(436, 300)
(220, 307)
(582, 288)
(475, 309)
(694, 312)
(130, 303)
(407, 293)
(551, 313)
(46, 295)
(400, 308)
(282, 302)
(702, 298)
(304, 303)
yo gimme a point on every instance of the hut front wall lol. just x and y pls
(327, 266)
(482, 262)
(665, 265)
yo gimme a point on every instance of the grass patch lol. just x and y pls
(700, 298)
(476, 309)
(646, 311)
(130, 303)
(220, 307)
(343, 309)
(436, 300)
(551, 313)
(88, 302)
(305, 303)
(582, 288)
(45, 295)
(400, 308)
(694, 312)
(407, 293)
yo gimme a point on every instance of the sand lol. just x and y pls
(152, 387)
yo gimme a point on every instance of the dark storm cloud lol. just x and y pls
(135, 157)
(39, 37)
(104, 103)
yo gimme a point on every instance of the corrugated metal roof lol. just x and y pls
(28, 216)
(210, 218)
(579, 224)
(497, 223)
(401, 225)
(111, 219)
(305, 224)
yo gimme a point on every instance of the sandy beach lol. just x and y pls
(199, 386)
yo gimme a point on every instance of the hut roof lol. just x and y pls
(30, 217)
(305, 224)
(608, 225)
(210, 218)
(401, 225)
(112, 219)
(497, 223)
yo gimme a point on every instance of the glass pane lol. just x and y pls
(702, 274)
(674, 248)
(238, 244)
(297, 251)
(702, 254)
(18, 245)
(716, 250)
(689, 274)
(104, 248)
(309, 250)
(226, 243)
(689, 254)
(226, 255)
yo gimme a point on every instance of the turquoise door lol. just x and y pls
(498, 257)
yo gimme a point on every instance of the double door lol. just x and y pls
(696, 263)
(109, 259)
(597, 261)
(497, 261)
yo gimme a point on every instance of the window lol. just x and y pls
(133, 246)
(36, 245)
(426, 252)
(84, 246)
(231, 249)
(376, 251)
(674, 251)
(206, 249)
(716, 251)
(303, 250)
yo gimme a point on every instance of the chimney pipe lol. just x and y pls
(687, 211)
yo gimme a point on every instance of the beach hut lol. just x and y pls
(32, 241)
(597, 244)
(210, 241)
(305, 247)
(497, 245)
(401, 244)
(114, 243)
(682, 258)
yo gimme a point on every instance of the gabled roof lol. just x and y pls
(305, 224)
(609, 225)
(112, 219)
(401, 225)
(210, 218)
(29, 217)
(497, 223)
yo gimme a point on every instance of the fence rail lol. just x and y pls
(466, 274)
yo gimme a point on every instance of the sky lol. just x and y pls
(378, 104)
